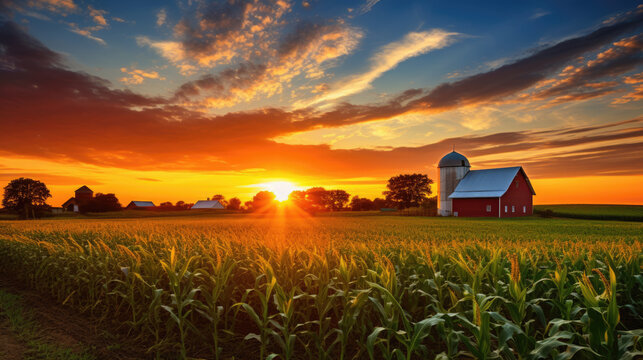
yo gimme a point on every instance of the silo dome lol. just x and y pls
(453, 159)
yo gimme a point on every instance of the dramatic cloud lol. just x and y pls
(578, 82)
(305, 51)
(75, 117)
(218, 32)
(387, 58)
(511, 78)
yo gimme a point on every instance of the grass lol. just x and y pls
(597, 212)
(26, 329)
(344, 287)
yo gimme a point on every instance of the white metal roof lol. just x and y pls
(207, 204)
(487, 183)
(143, 203)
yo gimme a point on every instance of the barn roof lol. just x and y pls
(207, 204)
(84, 189)
(488, 183)
(142, 203)
(71, 200)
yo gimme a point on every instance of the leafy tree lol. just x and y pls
(379, 203)
(26, 196)
(182, 205)
(234, 204)
(361, 204)
(221, 199)
(316, 198)
(101, 203)
(166, 205)
(335, 200)
(298, 198)
(263, 200)
(408, 190)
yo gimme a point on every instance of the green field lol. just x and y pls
(598, 212)
(343, 287)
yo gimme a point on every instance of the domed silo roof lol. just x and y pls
(453, 159)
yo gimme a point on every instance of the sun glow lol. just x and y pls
(281, 189)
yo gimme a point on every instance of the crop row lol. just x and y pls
(199, 296)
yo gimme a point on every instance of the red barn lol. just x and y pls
(502, 192)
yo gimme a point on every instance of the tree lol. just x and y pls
(101, 203)
(182, 205)
(361, 204)
(234, 204)
(336, 199)
(263, 200)
(316, 198)
(298, 198)
(166, 206)
(221, 199)
(26, 196)
(379, 203)
(408, 190)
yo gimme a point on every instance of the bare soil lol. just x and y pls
(62, 326)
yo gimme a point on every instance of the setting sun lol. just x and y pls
(281, 189)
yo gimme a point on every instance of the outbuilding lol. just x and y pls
(207, 204)
(140, 205)
(500, 192)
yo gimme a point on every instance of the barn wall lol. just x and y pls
(476, 207)
(517, 196)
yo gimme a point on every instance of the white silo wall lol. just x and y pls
(449, 179)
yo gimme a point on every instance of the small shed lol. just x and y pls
(140, 205)
(207, 204)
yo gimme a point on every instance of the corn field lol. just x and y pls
(345, 287)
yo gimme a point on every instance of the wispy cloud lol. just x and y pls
(161, 16)
(367, 6)
(539, 13)
(86, 33)
(137, 76)
(387, 58)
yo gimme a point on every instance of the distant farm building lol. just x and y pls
(140, 205)
(502, 192)
(207, 204)
(81, 195)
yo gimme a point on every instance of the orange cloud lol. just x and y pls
(131, 131)
(137, 76)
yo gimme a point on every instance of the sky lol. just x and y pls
(182, 100)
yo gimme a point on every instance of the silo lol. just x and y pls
(451, 168)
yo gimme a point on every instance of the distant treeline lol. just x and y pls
(408, 192)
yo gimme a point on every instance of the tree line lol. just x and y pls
(27, 198)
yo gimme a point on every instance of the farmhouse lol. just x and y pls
(81, 195)
(207, 204)
(140, 205)
(502, 192)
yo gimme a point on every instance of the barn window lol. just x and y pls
(513, 208)
(524, 209)
(506, 208)
(488, 208)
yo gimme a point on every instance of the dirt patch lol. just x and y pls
(65, 327)
(10, 346)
